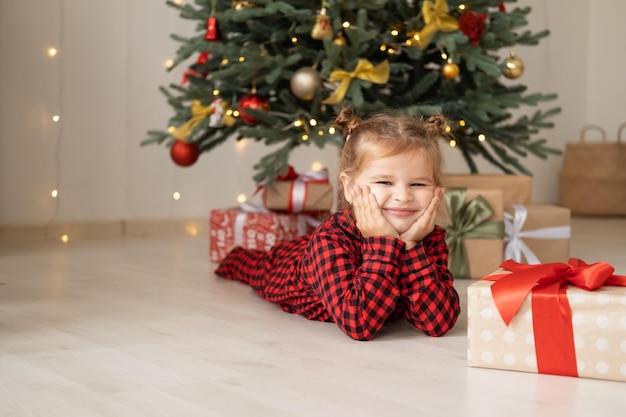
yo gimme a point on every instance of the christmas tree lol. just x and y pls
(279, 71)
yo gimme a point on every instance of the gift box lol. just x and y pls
(516, 189)
(253, 228)
(536, 233)
(473, 220)
(561, 319)
(299, 193)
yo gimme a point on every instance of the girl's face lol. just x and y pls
(403, 185)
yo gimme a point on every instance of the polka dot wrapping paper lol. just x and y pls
(598, 343)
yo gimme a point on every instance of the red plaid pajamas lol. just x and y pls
(335, 274)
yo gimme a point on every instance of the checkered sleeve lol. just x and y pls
(430, 299)
(356, 283)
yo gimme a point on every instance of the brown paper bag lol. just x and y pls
(593, 175)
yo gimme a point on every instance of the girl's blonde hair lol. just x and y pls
(387, 134)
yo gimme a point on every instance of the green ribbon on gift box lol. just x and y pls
(469, 220)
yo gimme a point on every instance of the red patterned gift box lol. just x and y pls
(253, 228)
(556, 318)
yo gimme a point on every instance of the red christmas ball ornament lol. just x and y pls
(255, 102)
(184, 153)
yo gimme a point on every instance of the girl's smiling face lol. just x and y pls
(402, 184)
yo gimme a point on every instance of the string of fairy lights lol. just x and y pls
(308, 126)
(53, 53)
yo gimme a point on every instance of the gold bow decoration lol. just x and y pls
(437, 19)
(364, 70)
(198, 113)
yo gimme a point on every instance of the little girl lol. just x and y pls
(380, 256)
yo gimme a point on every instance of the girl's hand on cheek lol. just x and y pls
(425, 223)
(369, 217)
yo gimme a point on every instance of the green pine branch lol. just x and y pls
(260, 47)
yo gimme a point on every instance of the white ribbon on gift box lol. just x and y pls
(246, 208)
(514, 235)
(299, 188)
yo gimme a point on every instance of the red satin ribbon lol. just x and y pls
(552, 316)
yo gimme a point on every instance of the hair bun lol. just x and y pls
(436, 125)
(347, 121)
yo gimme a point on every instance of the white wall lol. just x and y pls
(105, 81)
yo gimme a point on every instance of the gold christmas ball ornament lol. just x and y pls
(339, 40)
(305, 82)
(241, 4)
(450, 70)
(513, 66)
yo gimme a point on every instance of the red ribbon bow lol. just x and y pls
(552, 316)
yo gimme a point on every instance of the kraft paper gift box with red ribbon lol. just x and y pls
(310, 192)
(253, 227)
(556, 318)
(536, 233)
(474, 225)
(516, 189)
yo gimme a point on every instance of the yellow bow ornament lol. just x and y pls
(364, 70)
(198, 112)
(436, 19)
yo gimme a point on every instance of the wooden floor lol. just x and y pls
(141, 327)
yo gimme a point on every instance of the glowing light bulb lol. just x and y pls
(294, 39)
(394, 32)
(317, 166)
(241, 59)
(216, 92)
(242, 198)
(305, 137)
(52, 52)
(65, 238)
(54, 193)
(224, 61)
(383, 48)
(241, 144)
(320, 133)
(448, 129)
(444, 56)
(171, 129)
(169, 63)
(346, 24)
(297, 123)
(313, 122)
(56, 118)
(331, 130)
(193, 231)
(462, 123)
(176, 195)
(482, 137)
(462, 7)
(453, 143)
